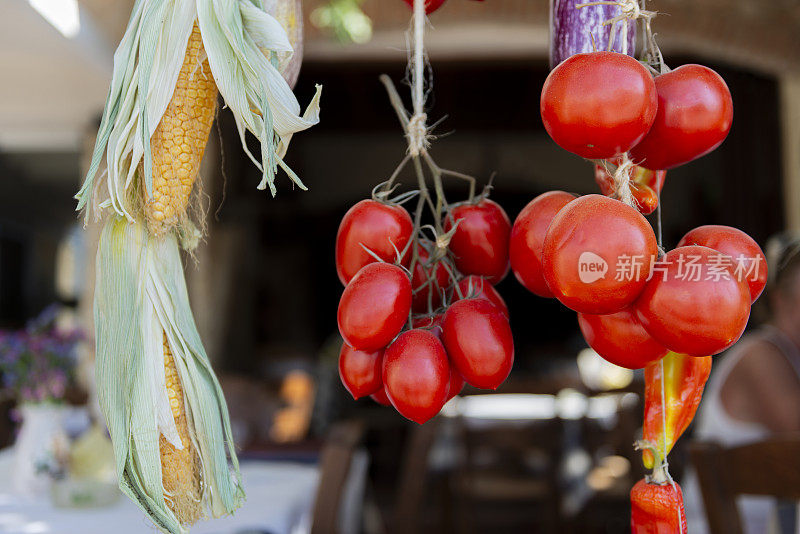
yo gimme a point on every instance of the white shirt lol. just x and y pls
(714, 423)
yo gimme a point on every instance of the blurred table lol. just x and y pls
(280, 497)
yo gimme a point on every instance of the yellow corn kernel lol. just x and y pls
(180, 468)
(180, 139)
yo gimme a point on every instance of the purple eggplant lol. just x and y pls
(572, 29)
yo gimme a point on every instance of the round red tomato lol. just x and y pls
(479, 342)
(478, 287)
(430, 5)
(598, 105)
(360, 371)
(694, 304)
(527, 236)
(621, 339)
(695, 112)
(597, 254)
(480, 243)
(381, 398)
(749, 262)
(374, 306)
(416, 374)
(381, 228)
(436, 278)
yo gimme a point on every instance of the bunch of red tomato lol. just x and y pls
(603, 104)
(599, 256)
(413, 334)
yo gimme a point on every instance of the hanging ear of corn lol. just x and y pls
(180, 139)
(259, 97)
(242, 43)
(163, 406)
(180, 466)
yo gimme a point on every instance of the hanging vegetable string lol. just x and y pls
(430, 319)
(418, 130)
(664, 324)
(418, 136)
(664, 461)
(631, 11)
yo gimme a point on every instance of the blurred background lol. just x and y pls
(263, 283)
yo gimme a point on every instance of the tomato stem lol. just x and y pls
(439, 208)
(660, 474)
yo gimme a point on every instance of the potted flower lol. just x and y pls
(36, 369)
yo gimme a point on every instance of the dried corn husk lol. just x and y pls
(140, 297)
(290, 14)
(243, 43)
(164, 408)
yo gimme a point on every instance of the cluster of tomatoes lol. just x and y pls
(600, 256)
(601, 105)
(412, 340)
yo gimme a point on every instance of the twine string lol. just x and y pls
(664, 397)
(629, 11)
(417, 130)
(622, 181)
(665, 462)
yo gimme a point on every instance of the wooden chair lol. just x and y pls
(766, 468)
(509, 477)
(335, 460)
(413, 477)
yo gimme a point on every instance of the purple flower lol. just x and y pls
(37, 363)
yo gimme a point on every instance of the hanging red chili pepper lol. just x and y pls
(684, 380)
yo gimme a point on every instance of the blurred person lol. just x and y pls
(754, 390)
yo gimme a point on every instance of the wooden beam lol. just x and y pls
(790, 123)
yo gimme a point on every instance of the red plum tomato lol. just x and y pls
(381, 228)
(374, 306)
(428, 281)
(478, 340)
(360, 371)
(478, 287)
(416, 374)
(480, 243)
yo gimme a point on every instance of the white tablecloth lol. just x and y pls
(280, 496)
